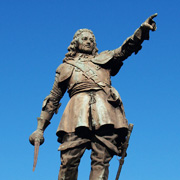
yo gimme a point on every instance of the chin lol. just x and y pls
(86, 51)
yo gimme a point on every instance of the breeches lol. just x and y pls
(100, 156)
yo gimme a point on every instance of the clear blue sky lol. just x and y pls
(34, 36)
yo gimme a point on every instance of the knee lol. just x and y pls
(69, 161)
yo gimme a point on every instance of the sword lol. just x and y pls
(36, 150)
(125, 146)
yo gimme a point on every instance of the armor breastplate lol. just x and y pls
(88, 72)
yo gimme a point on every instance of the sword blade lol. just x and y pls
(36, 150)
(121, 161)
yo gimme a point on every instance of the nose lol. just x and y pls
(88, 42)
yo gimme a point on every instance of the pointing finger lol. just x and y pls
(153, 16)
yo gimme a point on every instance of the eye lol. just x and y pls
(91, 40)
(84, 38)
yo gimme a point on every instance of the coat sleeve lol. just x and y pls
(132, 44)
(51, 103)
(129, 46)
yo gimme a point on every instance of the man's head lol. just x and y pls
(83, 41)
(86, 42)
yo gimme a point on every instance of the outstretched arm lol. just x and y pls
(133, 43)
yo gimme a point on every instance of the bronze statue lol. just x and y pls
(94, 117)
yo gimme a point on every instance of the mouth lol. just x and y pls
(87, 46)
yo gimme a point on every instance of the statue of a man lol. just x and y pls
(94, 117)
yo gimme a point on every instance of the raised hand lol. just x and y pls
(150, 23)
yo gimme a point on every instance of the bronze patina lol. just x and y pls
(94, 117)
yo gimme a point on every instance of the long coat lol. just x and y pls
(89, 87)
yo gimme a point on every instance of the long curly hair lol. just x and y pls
(73, 47)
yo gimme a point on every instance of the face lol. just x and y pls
(86, 43)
